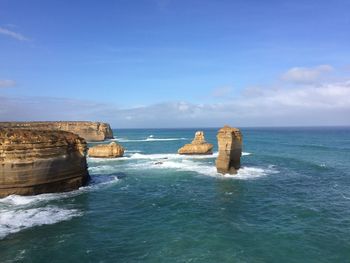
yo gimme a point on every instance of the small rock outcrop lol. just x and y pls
(90, 131)
(230, 150)
(197, 146)
(35, 162)
(112, 150)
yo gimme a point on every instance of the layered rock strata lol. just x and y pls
(112, 150)
(197, 146)
(230, 150)
(90, 131)
(35, 162)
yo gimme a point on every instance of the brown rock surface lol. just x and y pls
(230, 150)
(90, 131)
(35, 162)
(112, 150)
(197, 146)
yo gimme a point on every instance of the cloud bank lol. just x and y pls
(306, 75)
(5, 83)
(313, 104)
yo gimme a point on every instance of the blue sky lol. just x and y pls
(167, 63)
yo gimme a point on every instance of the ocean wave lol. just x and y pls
(21, 212)
(138, 156)
(148, 139)
(176, 156)
(193, 165)
(15, 220)
(19, 200)
(103, 160)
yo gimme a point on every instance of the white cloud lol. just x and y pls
(5, 83)
(315, 103)
(222, 91)
(13, 34)
(306, 75)
(324, 104)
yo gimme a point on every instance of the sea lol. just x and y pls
(290, 202)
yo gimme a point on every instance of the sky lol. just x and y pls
(175, 63)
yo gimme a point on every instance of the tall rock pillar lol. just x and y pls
(230, 150)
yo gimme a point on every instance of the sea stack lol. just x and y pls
(197, 146)
(112, 150)
(90, 131)
(35, 162)
(230, 150)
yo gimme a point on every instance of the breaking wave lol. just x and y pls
(18, 213)
(150, 138)
(15, 220)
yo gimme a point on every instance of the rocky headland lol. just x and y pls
(41, 161)
(197, 146)
(90, 131)
(230, 150)
(112, 150)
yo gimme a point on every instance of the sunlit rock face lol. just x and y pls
(90, 131)
(112, 150)
(230, 150)
(35, 162)
(197, 146)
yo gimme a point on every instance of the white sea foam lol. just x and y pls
(22, 212)
(103, 160)
(18, 200)
(102, 180)
(176, 156)
(194, 163)
(170, 156)
(104, 171)
(136, 155)
(148, 139)
(133, 151)
(15, 220)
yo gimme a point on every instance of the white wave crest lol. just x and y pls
(19, 200)
(12, 221)
(176, 156)
(192, 164)
(149, 139)
(171, 156)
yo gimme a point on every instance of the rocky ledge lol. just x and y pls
(197, 146)
(230, 150)
(90, 131)
(112, 150)
(35, 162)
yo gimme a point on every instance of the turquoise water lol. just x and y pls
(289, 203)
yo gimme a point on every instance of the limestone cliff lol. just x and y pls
(112, 150)
(230, 150)
(34, 162)
(197, 146)
(90, 131)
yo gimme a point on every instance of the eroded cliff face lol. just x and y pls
(230, 150)
(197, 146)
(112, 150)
(90, 131)
(35, 162)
